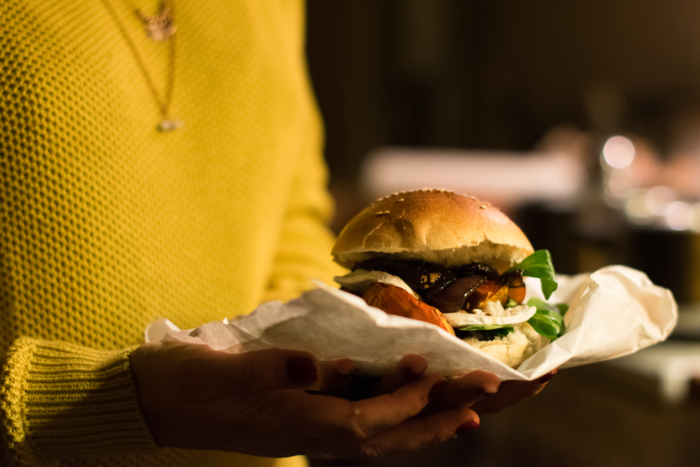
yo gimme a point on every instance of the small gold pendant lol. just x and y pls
(159, 27)
(169, 125)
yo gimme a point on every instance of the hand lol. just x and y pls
(255, 403)
(481, 391)
(464, 391)
(511, 393)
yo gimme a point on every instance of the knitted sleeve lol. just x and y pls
(60, 400)
(304, 249)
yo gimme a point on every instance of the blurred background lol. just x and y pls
(580, 119)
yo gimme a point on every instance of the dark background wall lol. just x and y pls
(497, 73)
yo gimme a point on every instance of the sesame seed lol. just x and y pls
(483, 206)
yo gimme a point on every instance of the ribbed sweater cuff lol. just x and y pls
(60, 400)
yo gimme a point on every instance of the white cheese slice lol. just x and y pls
(517, 314)
(358, 281)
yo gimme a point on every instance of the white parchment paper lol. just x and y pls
(614, 311)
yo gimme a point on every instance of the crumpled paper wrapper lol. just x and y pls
(614, 311)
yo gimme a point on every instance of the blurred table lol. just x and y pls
(675, 364)
(505, 179)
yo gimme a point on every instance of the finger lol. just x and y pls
(337, 376)
(218, 373)
(332, 417)
(409, 369)
(418, 433)
(511, 393)
(465, 390)
(385, 411)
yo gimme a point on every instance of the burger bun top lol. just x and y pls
(436, 226)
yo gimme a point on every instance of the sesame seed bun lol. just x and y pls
(435, 226)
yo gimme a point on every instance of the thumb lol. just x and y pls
(258, 370)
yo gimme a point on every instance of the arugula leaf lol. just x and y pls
(484, 327)
(549, 319)
(562, 307)
(542, 305)
(502, 332)
(539, 265)
(547, 323)
(496, 330)
(562, 330)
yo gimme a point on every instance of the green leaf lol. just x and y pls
(493, 329)
(547, 323)
(542, 305)
(511, 303)
(562, 307)
(484, 327)
(502, 332)
(553, 312)
(539, 265)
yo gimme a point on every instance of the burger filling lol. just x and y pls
(475, 299)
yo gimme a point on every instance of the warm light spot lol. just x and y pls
(618, 152)
(621, 184)
(658, 199)
(679, 215)
(637, 210)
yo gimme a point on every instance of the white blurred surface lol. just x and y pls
(503, 178)
(673, 364)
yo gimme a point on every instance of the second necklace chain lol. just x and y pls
(160, 27)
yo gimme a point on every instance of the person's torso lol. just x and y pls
(108, 224)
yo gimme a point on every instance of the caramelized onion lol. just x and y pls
(450, 291)
(487, 292)
(418, 275)
(516, 285)
(452, 298)
(480, 269)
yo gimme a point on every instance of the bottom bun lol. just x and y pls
(514, 348)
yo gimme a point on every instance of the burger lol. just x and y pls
(453, 261)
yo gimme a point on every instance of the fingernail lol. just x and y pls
(345, 370)
(301, 370)
(436, 390)
(415, 371)
(547, 377)
(469, 426)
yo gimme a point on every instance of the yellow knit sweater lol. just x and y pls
(107, 224)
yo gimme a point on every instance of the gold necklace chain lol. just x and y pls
(164, 20)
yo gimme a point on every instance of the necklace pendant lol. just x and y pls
(160, 32)
(161, 26)
(169, 125)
